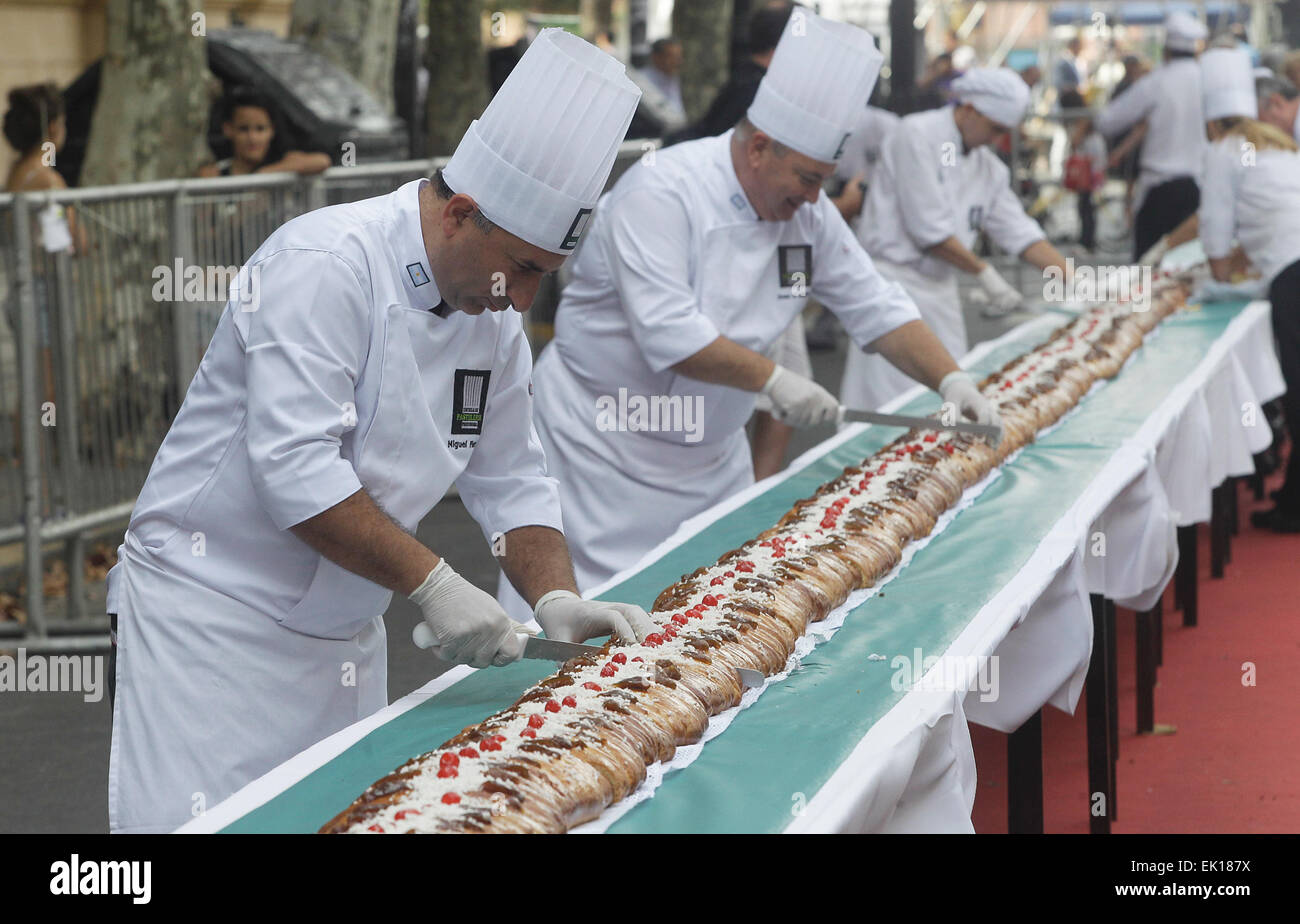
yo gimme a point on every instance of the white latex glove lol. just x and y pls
(958, 389)
(798, 401)
(1004, 298)
(1157, 252)
(566, 617)
(468, 625)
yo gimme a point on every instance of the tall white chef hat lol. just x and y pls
(998, 92)
(1183, 31)
(539, 156)
(818, 83)
(1228, 84)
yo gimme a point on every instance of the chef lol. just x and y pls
(694, 265)
(1169, 100)
(366, 361)
(936, 187)
(1254, 203)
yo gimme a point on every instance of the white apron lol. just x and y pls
(869, 379)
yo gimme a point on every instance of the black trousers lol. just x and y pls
(1087, 220)
(1165, 207)
(1284, 294)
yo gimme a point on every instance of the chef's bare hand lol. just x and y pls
(958, 389)
(468, 625)
(799, 401)
(566, 617)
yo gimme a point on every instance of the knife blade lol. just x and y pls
(548, 649)
(921, 423)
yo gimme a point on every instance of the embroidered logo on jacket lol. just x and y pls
(468, 397)
(794, 262)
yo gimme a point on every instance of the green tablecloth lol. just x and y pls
(800, 730)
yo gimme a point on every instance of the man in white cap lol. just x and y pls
(367, 360)
(695, 264)
(1279, 103)
(1169, 100)
(936, 188)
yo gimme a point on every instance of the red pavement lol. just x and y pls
(1232, 764)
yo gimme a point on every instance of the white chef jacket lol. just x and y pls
(926, 189)
(1254, 204)
(1169, 99)
(674, 257)
(346, 375)
(862, 150)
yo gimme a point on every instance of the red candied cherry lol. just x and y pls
(744, 566)
(552, 706)
(570, 701)
(881, 470)
(695, 614)
(450, 798)
(536, 720)
(498, 737)
(607, 670)
(595, 686)
(715, 582)
(828, 523)
(402, 814)
(449, 758)
(489, 744)
(446, 770)
(855, 491)
(468, 752)
(376, 829)
(528, 733)
(619, 658)
(655, 638)
(728, 574)
(709, 600)
(642, 660)
(950, 448)
(679, 619)
(778, 555)
(931, 437)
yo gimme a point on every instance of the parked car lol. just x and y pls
(321, 106)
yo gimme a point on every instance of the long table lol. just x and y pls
(847, 739)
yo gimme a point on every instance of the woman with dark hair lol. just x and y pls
(252, 126)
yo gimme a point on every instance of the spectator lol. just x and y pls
(766, 24)
(35, 126)
(251, 124)
(1068, 73)
(932, 87)
(1291, 68)
(1085, 169)
(1134, 68)
(664, 72)
(1279, 104)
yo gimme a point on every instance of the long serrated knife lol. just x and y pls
(549, 649)
(921, 423)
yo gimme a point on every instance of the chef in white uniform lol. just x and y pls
(694, 265)
(936, 187)
(366, 361)
(1169, 100)
(1251, 185)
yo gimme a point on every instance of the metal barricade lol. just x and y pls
(99, 347)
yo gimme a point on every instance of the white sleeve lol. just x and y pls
(505, 485)
(1129, 108)
(305, 342)
(922, 203)
(647, 242)
(1217, 212)
(1005, 220)
(848, 283)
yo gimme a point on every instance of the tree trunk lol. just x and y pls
(151, 119)
(360, 36)
(704, 28)
(457, 64)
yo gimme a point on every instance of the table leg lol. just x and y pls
(1025, 777)
(1186, 575)
(1218, 530)
(1146, 669)
(1112, 696)
(1097, 688)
